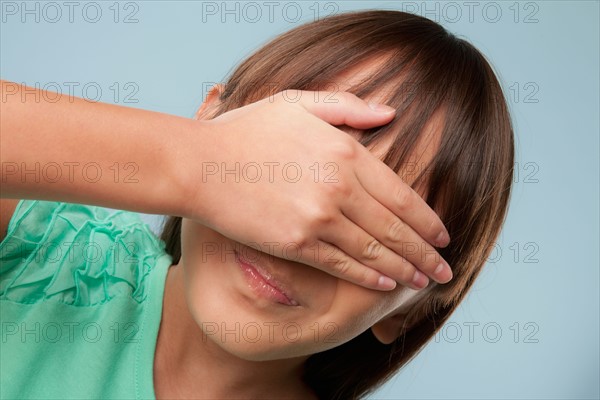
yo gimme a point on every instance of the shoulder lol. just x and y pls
(76, 254)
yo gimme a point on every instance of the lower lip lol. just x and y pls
(260, 286)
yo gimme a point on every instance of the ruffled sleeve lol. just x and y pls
(76, 254)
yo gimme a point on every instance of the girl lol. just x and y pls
(200, 315)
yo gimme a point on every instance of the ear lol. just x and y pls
(403, 318)
(390, 328)
(209, 105)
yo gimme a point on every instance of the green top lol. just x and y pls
(81, 291)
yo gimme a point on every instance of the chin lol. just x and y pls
(264, 351)
(228, 301)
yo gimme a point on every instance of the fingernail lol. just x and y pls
(443, 273)
(385, 282)
(420, 280)
(442, 239)
(381, 108)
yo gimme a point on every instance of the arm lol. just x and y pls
(7, 208)
(74, 151)
(92, 153)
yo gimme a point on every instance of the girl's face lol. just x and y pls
(311, 311)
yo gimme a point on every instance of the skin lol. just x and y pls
(207, 291)
(330, 312)
(137, 167)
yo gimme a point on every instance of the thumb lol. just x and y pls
(343, 108)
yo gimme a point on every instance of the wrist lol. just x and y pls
(182, 182)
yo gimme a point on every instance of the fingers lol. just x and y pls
(382, 231)
(366, 251)
(332, 260)
(396, 239)
(343, 108)
(392, 192)
(376, 177)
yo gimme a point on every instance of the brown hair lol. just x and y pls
(469, 178)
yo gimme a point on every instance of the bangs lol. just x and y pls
(429, 76)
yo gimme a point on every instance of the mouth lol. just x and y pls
(262, 282)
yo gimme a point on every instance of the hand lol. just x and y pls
(276, 176)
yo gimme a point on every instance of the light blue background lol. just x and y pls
(540, 288)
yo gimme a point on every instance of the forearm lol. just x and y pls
(75, 151)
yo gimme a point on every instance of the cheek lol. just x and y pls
(201, 249)
(355, 309)
(234, 320)
(213, 297)
(335, 310)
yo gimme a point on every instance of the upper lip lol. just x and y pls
(268, 276)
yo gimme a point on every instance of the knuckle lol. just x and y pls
(342, 266)
(345, 149)
(346, 97)
(319, 216)
(395, 230)
(339, 188)
(296, 237)
(403, 198)
(372, 250)
(406, 272)
(367, 277)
